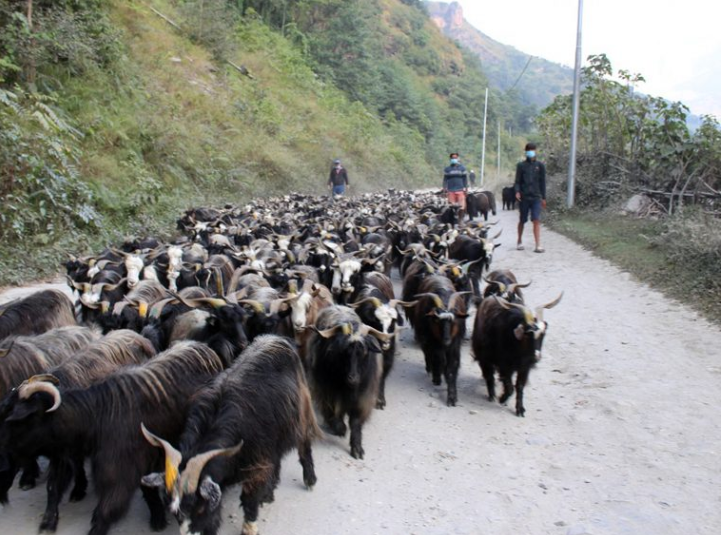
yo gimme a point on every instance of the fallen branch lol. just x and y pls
(240, 68)
(166, 19)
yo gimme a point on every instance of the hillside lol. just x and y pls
(115, 116)
(503, 64)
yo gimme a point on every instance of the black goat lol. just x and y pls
(344, 371)
(440, 325)
(478, 253)
(509, 198)
(503, 283)
(92, 364)
(22, 357)
(105, 419)
(262, 403)
(507, 337)
(36, 313)
(377, 307)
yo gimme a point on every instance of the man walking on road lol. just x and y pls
(455, 184)
(530, 187)
(338, 180)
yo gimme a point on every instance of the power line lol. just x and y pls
(522, 73)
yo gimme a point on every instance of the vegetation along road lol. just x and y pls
(621, 433)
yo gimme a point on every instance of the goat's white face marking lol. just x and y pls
(300, 311)
(133, 264)
(175, 259)
(347, 269)
(93, 271)
(386, 315)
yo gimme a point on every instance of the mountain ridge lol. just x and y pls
(537, 81)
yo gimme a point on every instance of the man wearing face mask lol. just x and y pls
(338, 180)
(530, 189)
(455, 184)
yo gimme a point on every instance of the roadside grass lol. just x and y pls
(644, 248)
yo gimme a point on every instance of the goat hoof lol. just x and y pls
(357, 452)
(521, 413)
(158, 523)
(381, 404)
(338, 428)
(310, 481)
(49, 525)
(77, 495)
(451, 402)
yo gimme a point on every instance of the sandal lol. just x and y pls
(520, 247)
(539, 250)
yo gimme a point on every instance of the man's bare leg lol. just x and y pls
(520, 233)
(537, 233)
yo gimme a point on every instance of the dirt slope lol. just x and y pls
(621, 435)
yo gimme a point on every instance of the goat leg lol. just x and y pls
(59, 476)
(305, 454)
(31, 471)
(356, 434)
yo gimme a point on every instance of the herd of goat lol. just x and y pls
(187, 367)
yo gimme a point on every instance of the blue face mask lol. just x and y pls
(531, 153)
(454, 161)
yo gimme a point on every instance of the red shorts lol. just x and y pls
(457, 197)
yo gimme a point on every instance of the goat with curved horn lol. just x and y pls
(28, 388)
(551, 304)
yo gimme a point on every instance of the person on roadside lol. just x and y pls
(472, 176)
(338, 180)
(455, 184)
(530, 188)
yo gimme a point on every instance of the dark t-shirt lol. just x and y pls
(338, 177)
(530, 180)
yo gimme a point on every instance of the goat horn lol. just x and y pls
(215, 302)
(173, 457)
(195, 465)
(539, 310)
(47, 377)
(437, 301)
(497, 235)
(454, 297)
(527, 312)
(157, 308)
(113, 287)
(396, 302)
(29, 387)
(385, 337)
(376, 302)
(329, 333)
(77, 285)
(501, 286)
(257, 305)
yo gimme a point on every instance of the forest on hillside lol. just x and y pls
(115, 115)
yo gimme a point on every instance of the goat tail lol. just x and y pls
(309, 428)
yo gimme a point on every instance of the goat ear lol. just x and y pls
(519, 331)
(155, 480)
(23, 411)
(210, 491)
(373, 344)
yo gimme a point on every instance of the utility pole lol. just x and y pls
(499, 151)
(483, 149)
(576, 102)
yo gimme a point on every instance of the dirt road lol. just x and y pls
(622, 433)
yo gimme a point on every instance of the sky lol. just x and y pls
(675, 45)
